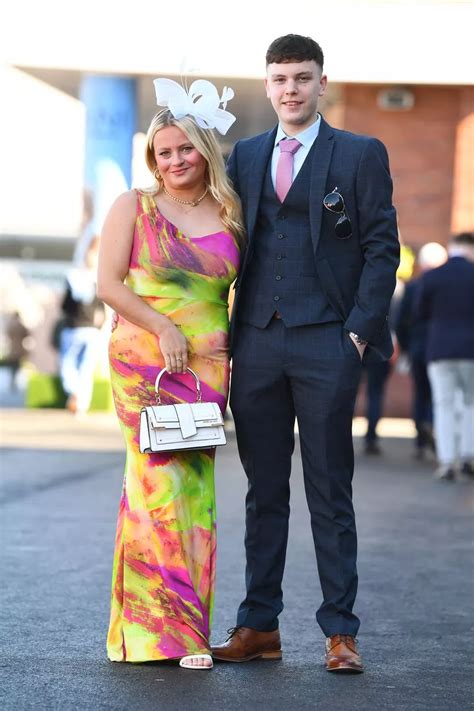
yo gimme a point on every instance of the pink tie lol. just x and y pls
(284, 174)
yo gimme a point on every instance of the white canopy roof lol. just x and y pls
(396, 41)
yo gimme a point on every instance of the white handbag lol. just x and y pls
(169, 428)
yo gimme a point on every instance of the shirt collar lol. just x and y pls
(306, 137)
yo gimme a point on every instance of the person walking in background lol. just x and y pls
(18, 337)
(311, 301)
(411, 332)
(79, 337)
(445, 301)
(377, 374)
(168, 257)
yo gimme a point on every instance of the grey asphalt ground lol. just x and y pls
(59, 502)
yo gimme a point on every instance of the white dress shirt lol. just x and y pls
(306, 138)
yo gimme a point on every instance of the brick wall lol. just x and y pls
(429, 148)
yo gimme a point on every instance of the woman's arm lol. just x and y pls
(114, 259)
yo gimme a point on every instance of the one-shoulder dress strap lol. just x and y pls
(145, 201)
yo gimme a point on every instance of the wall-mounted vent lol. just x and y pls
(396, 99)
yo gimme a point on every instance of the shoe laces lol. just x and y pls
(232, 631)
(347, 639)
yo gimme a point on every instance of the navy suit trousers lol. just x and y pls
(310, 373)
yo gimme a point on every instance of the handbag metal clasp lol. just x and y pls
(189, 370)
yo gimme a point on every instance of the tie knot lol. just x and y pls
(289, 145)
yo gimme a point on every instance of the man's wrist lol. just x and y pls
(360, 341)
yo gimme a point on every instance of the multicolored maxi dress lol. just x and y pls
(164, 563)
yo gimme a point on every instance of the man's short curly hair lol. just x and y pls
(294, 48)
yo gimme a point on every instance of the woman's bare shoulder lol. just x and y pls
(126, 199)
(125, 205)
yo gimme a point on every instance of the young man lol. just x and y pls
(311, 301)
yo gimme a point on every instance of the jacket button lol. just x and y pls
(278, 277)
(276, 298)
(281, 236)
(279, 256)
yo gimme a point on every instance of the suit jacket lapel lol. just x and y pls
(319, 171)
(257, 177)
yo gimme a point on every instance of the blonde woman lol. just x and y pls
(168, 256)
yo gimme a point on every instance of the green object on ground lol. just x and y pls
(45, 390)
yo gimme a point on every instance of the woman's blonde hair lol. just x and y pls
(204, 140)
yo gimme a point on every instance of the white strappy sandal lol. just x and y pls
(205, 657)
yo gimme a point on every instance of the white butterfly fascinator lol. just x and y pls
(202, 101)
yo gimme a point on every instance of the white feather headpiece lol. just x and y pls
(202, 102)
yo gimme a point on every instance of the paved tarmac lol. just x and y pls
(59, 501)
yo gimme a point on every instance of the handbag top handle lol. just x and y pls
(189, 370)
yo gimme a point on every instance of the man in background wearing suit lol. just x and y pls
(311, 301)
(446, 303)
(411, 332)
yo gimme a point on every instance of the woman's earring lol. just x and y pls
(157, 175)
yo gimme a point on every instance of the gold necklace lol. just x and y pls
(193, 203)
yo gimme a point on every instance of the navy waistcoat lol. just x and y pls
(281, 273)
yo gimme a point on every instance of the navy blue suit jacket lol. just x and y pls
(357, 274)
(410, 329)
(446, 302)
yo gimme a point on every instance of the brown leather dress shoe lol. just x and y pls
(245, 644)
(342, 655)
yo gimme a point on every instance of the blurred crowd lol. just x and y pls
(432, 323)
(21, 311)
(431, 319)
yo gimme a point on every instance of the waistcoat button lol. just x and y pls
(276, 298)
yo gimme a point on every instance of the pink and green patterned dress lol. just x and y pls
(164, 563)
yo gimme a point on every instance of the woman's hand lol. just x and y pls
(174, 348)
